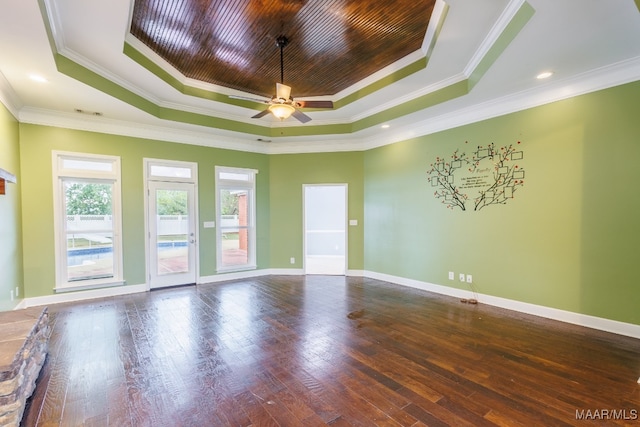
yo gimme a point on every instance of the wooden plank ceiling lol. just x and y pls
(232, 43)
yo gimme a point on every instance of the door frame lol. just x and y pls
(148, 164)
(346, 223)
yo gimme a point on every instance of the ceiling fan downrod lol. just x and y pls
(281, 42)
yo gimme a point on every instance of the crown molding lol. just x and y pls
(201, 136)
(410, 97)
(505, 18)
(617, 74)
(602, 78)
(9, 98)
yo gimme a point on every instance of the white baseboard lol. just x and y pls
(223, 277)
(22, 304)
(613, 326)
(355, 273)
(82, 295)
(286, 272)
(608, 325)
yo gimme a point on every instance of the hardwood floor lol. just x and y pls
(296, 351)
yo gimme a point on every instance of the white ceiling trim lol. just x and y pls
(609, 76)
(105, 73)
(9, 97)
(606, 77)
(65, 120)
(55, 24)
(173, 72)
(437, 17)
(411, 96)
(492, 36)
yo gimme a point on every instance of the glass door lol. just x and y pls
(325, 229)
(172, 237)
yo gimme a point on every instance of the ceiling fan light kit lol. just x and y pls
(281, 111)
(282, 105)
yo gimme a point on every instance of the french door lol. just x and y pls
(172, 234)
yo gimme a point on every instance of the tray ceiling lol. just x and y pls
(232, 43)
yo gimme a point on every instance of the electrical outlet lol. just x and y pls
(11, 295)
(17, 292)
(461, 277)
(451, 275)
(469, 278)
(292, 260)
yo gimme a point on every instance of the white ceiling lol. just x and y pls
(588, 44)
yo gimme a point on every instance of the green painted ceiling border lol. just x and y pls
(519, 20)
(638, 5)
(82, 74)
(144, 61)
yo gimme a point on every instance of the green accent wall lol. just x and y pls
(289, 172)
(569, 239)
(10, 214)
(37, 144)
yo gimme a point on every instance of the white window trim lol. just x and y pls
(60, 174)
(149, 163)
(250, 185)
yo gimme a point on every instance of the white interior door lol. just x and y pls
(325, 229)
(172, 234)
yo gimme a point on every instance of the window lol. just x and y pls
(235, 216)
(87, 220)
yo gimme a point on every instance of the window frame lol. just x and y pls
(62, 175)
(231, 184)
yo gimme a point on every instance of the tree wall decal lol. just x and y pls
(493, 173)
(441, 176)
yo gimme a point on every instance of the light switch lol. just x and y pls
(353, 222)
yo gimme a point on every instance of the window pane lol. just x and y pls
(234, 202)
(234, 248)
(89, 256)
(172, 225)
(170, 171)
(88, 165)
(89, 232)
(234, 220)
(235, 176)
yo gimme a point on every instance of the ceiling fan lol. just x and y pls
(282, 105)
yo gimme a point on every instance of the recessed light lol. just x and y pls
(544, 75)
(385, 126)
(37, 78)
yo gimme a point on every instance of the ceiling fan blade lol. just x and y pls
(283, 91)
(261, 114)
(245, 98)
(302, 117)
(315, 104)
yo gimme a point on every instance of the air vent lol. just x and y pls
(89, 113)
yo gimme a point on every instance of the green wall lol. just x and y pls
(288, 174)
(10, 214)
(36, 145)
(569, 239)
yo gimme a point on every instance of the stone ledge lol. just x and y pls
(23, 349)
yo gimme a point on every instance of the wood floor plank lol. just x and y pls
(323, 350)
